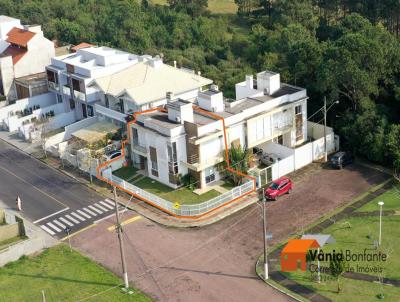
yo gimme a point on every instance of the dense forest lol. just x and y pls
(346, 50)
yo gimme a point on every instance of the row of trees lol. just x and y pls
(345, 50)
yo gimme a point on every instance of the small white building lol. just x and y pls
(24, 54)
(71, 76)
(185, 139)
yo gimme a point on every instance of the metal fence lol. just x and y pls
(183, 209)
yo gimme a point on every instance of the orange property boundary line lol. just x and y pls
(229, 168)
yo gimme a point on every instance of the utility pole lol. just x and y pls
(325, 148)
(121, 243)
(265, 238)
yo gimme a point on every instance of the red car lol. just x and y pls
(279, 187)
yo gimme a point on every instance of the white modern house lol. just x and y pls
(70, 76)
(148, 84)
(190, 139)
(24, 54)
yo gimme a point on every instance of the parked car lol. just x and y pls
(341, 159)
(269, 158)
(279, 187)
(114, 154)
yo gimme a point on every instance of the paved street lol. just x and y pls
(46, 192)
(216, 263)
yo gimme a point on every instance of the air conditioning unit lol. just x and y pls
(178, 119)
(266, 91)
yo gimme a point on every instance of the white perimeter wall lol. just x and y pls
(66, 135)
(294, 159)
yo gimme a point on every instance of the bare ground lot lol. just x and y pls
(216, 263)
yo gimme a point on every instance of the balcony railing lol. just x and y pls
(53, 86)
(110, 113)
(282, 127)
(193, 159)
(139, 149)
(66, 90)
(79, 96)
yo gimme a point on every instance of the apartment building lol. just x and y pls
(188, 137)
(24, 54)
(71, 76)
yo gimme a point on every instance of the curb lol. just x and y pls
(276, 287)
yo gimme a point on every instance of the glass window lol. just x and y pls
(172, 158)
(90, 110)
(297, 109)
(59, 98)
(210, 175)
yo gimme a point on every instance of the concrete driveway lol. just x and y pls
(216, 263)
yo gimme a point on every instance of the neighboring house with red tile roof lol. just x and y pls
(80, 46)
(24, 52)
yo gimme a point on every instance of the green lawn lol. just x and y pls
(215, 6)
(361, 235)
(181, 195)
(391, 198)
(125, 172)
(228, 185)
(358, 234)
(64, 276)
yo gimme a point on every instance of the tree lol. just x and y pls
(337, 268)
(239, 158)
(194, 8)
(393, 146)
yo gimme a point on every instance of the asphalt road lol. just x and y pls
(43, 190)
(216, 262)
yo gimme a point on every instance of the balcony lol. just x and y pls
(282, 127)
(66, 90)
(80, 96)
(139, 149)
(197, 164)
(110, 113)
(54, 86)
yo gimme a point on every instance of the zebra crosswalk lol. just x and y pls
(79, 218)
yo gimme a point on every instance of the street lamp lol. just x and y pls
(325, 111)
(381, 203)
(265, 237)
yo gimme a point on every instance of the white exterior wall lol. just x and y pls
(14, 122)
(211, 148)
(39, 54)
(7, 25)
(237, 132)
(149, 139)
(7, 76)
(242, 90)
